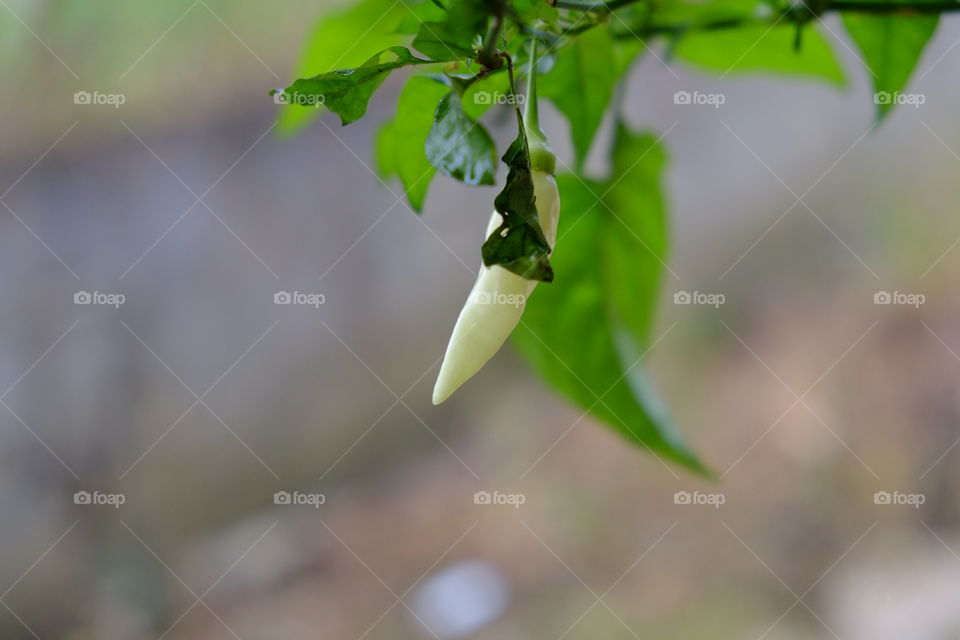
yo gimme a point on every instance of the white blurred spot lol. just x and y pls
(461, 599)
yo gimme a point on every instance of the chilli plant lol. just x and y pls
(602, 252)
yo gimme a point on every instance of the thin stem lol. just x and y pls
(531, 111)
(848, 6)
(583, 5)
(538, 150)
(488, 54)
(516, 104)
(865, 6)
(892, 7)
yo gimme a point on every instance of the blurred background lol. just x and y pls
(182, 458)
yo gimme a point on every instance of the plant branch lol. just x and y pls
(488, 56)
(584, 5)
(865, 6)
(798, 14)
(892, 7)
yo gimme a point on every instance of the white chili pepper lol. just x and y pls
(496, 302)
(498, 297)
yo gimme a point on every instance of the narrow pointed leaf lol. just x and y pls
(891, 46)
(346, 92)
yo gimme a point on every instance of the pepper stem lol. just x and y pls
(542, 157)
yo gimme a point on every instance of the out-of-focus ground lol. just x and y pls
(198, 398)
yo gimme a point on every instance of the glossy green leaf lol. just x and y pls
(518, 244)
(459, 146)
(346, 92)
(581, 85)
(585, 333)
(341, 39)
(454, 37)
(400, 145)
(891, 46)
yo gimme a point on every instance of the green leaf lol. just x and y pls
(346, 92)
(485, 92)
(581, 85)
(530, 11)
(891, 46)
(759, 48)
(459, 146)
(401, 141)
(585, 334)
(635, 241)
(518, 244)
(417, 15)
(454, 37)
(344, 38)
